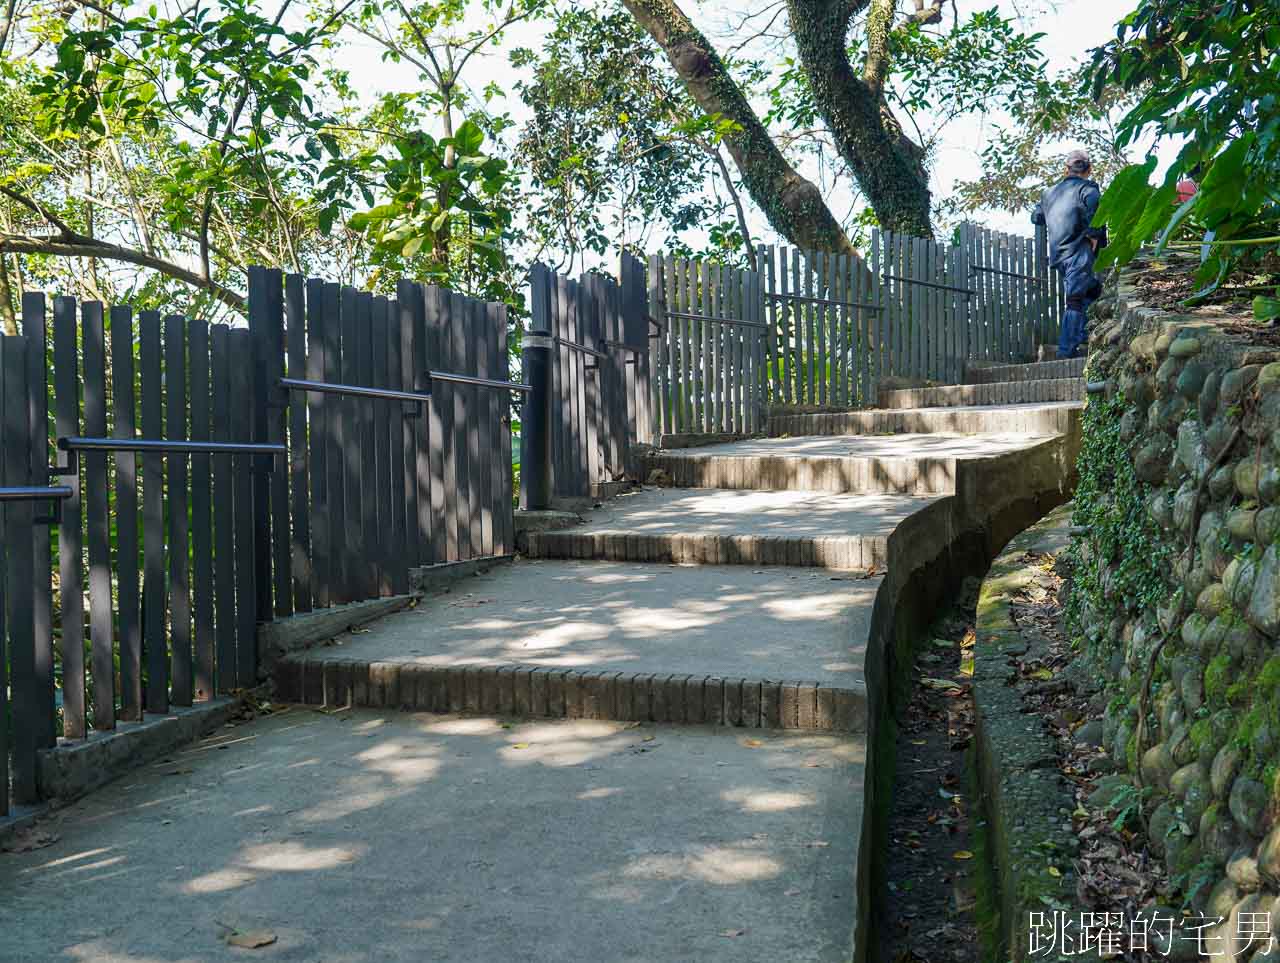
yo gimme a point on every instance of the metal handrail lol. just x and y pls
(835, 302)
(479, 382)
(574, 346)
(929, 284)
(699, 317)
(34, 493)
(974, 268)
(160, 445)
(325, 387)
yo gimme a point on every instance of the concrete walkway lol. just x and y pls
(648, 739)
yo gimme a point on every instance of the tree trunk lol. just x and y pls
(889, 167)
(792, 203)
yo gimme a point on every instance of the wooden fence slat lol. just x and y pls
(154, 644)
(125, 426)
(35, 330)
(277, 403)
(350, 452)
(320, 557)
(14, 450)
(380, 428)
(94, 468)
(485, 418)
(227, 672)
(66, 385)
(24, 715)
(201, 510)
(365, 474)
(712, 365)
(339, 308)
(444, 536)
(402, 553)
(260, 307)
(299, 499)
(240, 354)
(175, 379)
(413, 423)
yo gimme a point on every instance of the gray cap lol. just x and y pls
(1078, 160)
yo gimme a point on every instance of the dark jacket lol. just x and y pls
(1066, 210)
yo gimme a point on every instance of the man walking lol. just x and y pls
(1067, 210)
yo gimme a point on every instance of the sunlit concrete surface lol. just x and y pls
(729, 621)
(358, 836)
(867, 446)
(794, 514)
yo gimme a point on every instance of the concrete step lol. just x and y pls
(1002, 393)
(859, 464)
(1043, 419)
(718, 527)
(707, 644)
(1037, 371)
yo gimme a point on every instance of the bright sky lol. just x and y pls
(1070, 29)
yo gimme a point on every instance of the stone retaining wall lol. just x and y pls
(1178, 580)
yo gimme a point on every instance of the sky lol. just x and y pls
(1070, 29)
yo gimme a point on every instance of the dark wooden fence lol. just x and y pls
(599, 372)
(215, 478)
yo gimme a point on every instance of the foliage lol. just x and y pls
(1111, 504)
(613, 141)
(1024, 157)
(934, 77)
(1207, 71)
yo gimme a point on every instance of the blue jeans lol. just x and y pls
(1081, 289)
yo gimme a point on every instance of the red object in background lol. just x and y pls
(1186, 189)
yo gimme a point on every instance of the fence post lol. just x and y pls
(535, 419)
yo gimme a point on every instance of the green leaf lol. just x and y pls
(1266, 308)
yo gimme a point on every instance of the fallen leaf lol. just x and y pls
(732, 933)
(1055, 872)
(944, 684)
(962, 854)
(648, 738)
(251, 939)
(520, 745)
(752, 743)
(1044, 675)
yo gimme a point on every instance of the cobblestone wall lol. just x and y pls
(1177, 595)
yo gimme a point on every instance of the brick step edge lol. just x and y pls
(538, 692)
(1033, 371)
(1001, 393)
(912, 421)
(856, 553)
(852, 474)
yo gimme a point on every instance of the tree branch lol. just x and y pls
(793, 204)
(79, 246)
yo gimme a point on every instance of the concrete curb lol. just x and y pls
(1023, 794)
(1003, 393)
(1036, 371)
(852, 474)
(71, 769)
(854, 553)
(528, 691)
(877, 421)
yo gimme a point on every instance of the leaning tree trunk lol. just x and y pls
(888, 166)
(792, 203)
